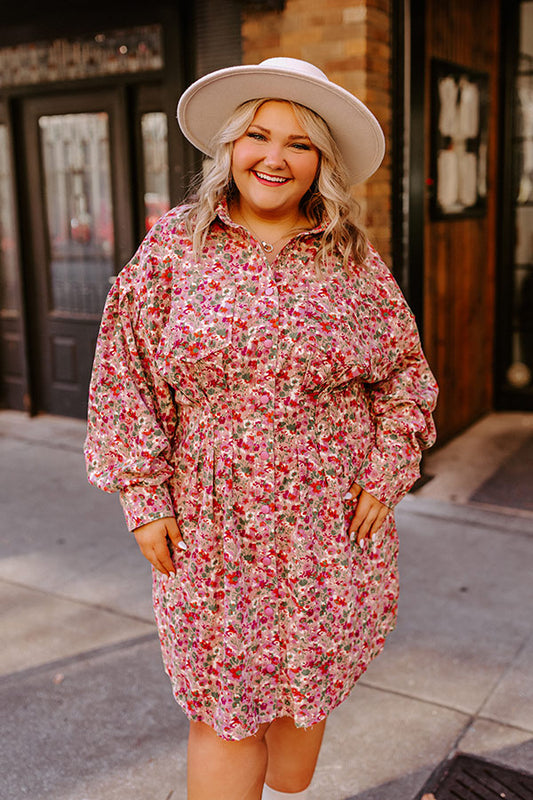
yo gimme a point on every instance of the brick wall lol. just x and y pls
(350, 40)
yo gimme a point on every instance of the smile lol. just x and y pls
(264, 178)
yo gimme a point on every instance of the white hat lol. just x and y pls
(206, 105)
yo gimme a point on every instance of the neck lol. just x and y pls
(269, 228)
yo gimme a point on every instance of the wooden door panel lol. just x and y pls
(71, 347)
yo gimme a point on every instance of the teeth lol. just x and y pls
(272, 178)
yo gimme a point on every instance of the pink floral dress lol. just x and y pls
(245, 398)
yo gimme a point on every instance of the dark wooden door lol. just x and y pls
(80, 232)
(460, 251)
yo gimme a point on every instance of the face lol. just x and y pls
(273, 162)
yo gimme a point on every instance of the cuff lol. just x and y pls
(378, 478)
(143, 502)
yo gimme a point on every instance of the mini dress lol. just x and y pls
(244, 398)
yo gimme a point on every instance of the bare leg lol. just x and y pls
(225, 770)
(292, 754)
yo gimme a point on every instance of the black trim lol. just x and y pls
(264, 5)
(417, 185)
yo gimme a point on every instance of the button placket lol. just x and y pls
(268, 305)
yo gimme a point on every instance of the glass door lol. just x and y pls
(81, 219)
(79, 210)
(515, 359)
(520, 370)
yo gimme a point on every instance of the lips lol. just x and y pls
(270, 180)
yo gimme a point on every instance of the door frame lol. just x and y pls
(409, 152)
(15, 378)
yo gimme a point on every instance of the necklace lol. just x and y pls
(267, 247)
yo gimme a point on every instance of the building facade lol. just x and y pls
(90, 155)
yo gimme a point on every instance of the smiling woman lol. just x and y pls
(260, 400)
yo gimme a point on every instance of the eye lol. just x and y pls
(301, 146)
(259, 137)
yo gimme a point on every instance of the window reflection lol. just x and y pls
(79, 209)
(155, 159)
(520, 371)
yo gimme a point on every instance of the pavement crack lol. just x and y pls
(85, 603)
(62, 664)
(410, 696)
(503, 675)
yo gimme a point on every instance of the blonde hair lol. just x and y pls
(328, 198)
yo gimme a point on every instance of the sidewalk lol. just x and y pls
(87, 712)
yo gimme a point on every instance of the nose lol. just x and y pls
(274, 158)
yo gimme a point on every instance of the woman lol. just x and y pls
(260, 400)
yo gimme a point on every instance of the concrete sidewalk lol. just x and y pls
(87, 712)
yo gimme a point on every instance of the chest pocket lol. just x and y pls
(337, 350)
(191, 352)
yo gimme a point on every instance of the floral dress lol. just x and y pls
(245, 398)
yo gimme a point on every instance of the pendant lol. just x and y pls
(267, 247)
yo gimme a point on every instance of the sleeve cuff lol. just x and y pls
(143, 503)
(378, 479)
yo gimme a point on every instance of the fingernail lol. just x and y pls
(374, 537)
(348, 496)
(182, 545)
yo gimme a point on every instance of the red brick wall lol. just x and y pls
(350, 40)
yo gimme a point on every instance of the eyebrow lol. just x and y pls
(292, 136)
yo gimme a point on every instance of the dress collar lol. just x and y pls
(222, 212)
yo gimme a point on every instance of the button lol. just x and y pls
(269, 290)
(270, 668)
(269, 611)
(265, 398)
(266, 561)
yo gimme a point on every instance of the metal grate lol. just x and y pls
(470, 778)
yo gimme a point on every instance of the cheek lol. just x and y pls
(308, 173)
(243, 156)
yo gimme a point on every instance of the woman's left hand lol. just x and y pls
(369, 515)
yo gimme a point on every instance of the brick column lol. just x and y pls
(350, 40)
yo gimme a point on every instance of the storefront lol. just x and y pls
(90, 155)
(474, 205)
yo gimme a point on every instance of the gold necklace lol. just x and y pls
(267, 247)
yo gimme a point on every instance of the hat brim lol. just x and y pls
(209, 102)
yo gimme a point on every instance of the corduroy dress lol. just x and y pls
(245, 398)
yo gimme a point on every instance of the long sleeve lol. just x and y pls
(401, 400)
(401, 406)
(132, 415)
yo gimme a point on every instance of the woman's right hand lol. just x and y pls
(153, 539)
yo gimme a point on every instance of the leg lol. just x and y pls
(292, 754)
(223, 770)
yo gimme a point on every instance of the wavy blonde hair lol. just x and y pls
(328, 198)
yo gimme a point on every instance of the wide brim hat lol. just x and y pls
(209, 102)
